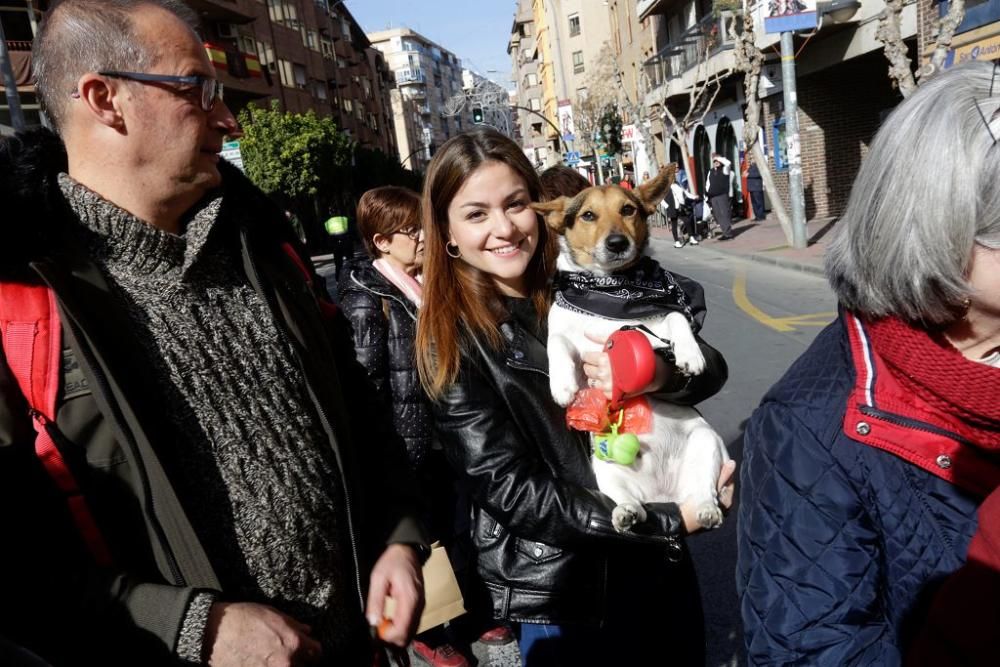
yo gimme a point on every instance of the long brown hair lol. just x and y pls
(457, 295)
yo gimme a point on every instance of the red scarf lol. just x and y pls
(929, 366)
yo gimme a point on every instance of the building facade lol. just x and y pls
(427, 77)
(528, 94)
(306, 54)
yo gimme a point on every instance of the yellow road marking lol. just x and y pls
(789, 323)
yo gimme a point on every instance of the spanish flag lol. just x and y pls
(217, 55)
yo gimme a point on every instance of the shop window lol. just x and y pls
(977, 13)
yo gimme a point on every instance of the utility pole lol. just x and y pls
(795, 190)
(10, 85)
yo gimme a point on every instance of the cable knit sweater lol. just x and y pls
(252, 464)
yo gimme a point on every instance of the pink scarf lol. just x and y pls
(404, 282)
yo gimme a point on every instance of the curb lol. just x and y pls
(779, 261)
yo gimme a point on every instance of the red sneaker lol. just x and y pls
(444, 655)
(497, 636)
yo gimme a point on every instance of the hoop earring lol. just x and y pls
(447, 249)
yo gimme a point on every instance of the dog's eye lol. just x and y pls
(588, 216)
(628, 209)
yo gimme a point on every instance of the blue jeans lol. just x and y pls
(544, 645)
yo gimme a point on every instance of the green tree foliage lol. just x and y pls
(312, 168)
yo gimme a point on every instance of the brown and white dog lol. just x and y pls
(606, 282)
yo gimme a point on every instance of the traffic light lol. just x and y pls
(477, 116)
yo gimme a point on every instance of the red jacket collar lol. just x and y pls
(881, 413)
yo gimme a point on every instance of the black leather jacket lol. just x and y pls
(384, 328)
(542, 529)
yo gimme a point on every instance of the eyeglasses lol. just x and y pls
(211, 89)
(413, 233)
(996, 112)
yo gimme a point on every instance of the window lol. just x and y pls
(319, 90)
(535, 104)
(581, 94)
(359, 113)
(348, 105)
(577, 62)
(326, 46)
(345, 27)
(265, 53)
(285, 72)
(310, 39)
(284, 13)
(300, 76)
(531, 79)
(247, 45)
(977, 13)
(367, 87)
(574, 25)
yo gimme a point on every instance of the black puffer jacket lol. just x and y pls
(547, 550)
(385, 327)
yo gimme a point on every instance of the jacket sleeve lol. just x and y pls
(51, 587)
(683, 390)
(508, 478)
(809, 565)
(369, 330)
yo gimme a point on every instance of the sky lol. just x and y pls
(474, 30)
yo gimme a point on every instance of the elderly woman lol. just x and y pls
(865, 464)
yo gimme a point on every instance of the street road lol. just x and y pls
(761, 318)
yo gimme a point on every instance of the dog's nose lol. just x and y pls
(617, 243)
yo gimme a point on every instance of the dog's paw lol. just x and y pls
(563, 393)
(709, 515)
(688, 357)
(626, 515)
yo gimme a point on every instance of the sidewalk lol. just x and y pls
(765, 242)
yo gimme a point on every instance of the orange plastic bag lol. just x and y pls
(589, 412)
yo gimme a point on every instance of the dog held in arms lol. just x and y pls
(605, 282)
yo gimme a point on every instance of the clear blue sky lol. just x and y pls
(474, 30)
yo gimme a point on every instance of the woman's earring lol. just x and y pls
(966, 304)
(454, 255)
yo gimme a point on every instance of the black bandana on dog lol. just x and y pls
(642, 291)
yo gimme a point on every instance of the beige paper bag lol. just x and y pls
(443, 597)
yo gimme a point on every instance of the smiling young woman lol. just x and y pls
(545, 546)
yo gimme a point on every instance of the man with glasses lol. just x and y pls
(209, 404)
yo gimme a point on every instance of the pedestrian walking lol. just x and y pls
(755, 186)
(548, 553)
(719, 192)
(679, 207)
(865, 465)
(218, 481)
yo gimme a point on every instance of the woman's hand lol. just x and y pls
(726, 487)
(597, 369)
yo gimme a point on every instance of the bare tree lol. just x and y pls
(490, 97)
(700, 99)
(601, 94)
(640, 114)
(896, 52)
(749, 60)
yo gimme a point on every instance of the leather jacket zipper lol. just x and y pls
(320, 409)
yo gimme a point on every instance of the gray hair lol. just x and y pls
(80, 36)
(928, 190)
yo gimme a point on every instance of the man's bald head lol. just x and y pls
(81, 36)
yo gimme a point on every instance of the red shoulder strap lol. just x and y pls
(327, 308)
(32, 345)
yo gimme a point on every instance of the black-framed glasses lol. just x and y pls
(211, 89)
(413, 233)
(996, 112)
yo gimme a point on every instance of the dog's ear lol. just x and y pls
(651, 192)
(554, 212)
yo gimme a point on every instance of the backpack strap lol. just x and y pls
(32, 345)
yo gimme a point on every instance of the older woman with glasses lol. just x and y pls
(865, 465)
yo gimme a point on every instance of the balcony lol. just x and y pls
(239, 71)
(643, 8)
(674, 60)
(412, 75)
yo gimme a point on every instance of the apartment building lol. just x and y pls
(569, 36)
(526, 99)
(843, 90)
(427, 76)
(307, 54)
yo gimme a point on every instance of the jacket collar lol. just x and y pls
(361, 275)
(882, 414)
(523, 351)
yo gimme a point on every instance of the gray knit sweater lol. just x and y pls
(249, 459)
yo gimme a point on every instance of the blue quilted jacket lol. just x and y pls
(840, 543)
